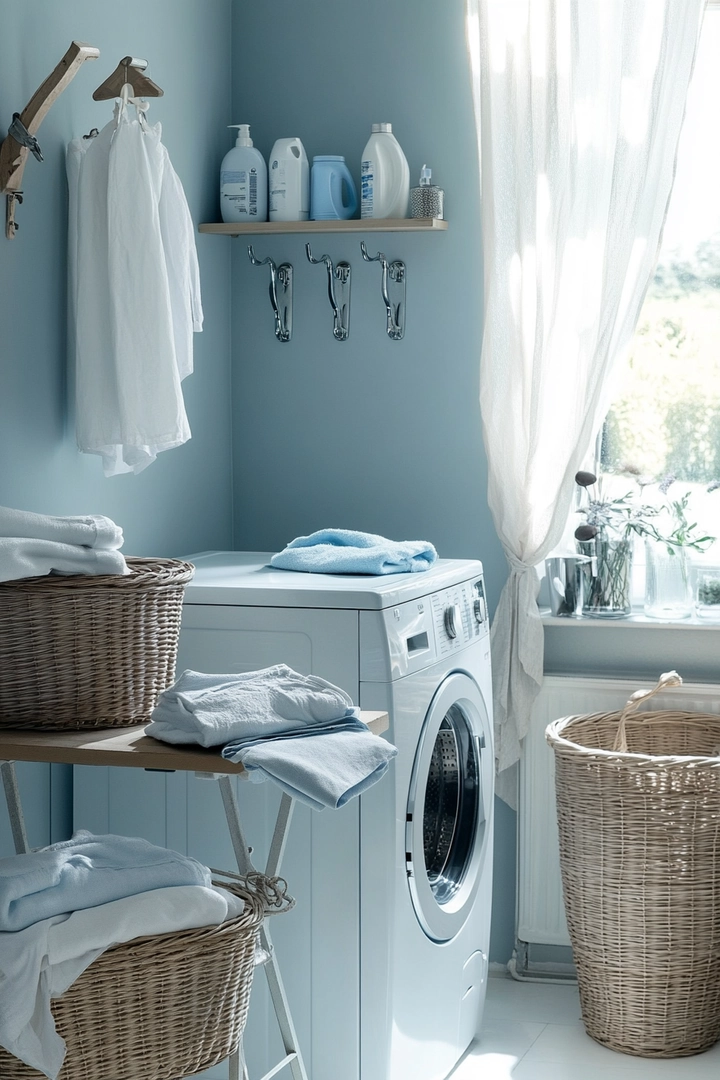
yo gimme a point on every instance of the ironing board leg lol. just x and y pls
(293, 1057)
(12, 798)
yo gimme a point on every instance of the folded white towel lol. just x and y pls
(92, 530)
(213, 710)
(42, 961)
(25, 558)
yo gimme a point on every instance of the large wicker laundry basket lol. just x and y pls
(89, 652)
(638, 803)
(163, 1007)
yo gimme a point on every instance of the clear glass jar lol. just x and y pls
(668, 590)
(707, 594)
(608, 577)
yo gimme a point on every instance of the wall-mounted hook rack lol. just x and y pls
(339, 280)
(21, 140)
(281, 294)
(392, 286)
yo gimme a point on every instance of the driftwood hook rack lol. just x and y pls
(21, 137)
(128, 72)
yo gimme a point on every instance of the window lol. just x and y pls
(665, 417)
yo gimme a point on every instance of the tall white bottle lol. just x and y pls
(243, 180)
(384, 176)
(289, 186)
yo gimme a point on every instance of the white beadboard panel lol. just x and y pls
(540, 910)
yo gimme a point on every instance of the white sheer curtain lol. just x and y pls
(579, 108)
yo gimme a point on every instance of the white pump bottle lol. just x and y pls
(243, 180)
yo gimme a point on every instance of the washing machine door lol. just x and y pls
(448, 807)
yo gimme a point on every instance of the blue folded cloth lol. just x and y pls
(213, 710)
(86, 871)
(298, 730)
(342, 551)
(324, 769)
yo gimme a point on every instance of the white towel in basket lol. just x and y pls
(91, 530)
(42, 961)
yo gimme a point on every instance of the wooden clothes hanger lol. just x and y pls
(129, 70)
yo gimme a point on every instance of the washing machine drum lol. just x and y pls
(448, 810)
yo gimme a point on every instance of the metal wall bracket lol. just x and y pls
(281, 294)
(392, 288)
(339, 280)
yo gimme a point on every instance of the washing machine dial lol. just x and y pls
(479, 610)
(452, 620)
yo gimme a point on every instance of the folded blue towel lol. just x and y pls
(341, 551)
(84, 872)
(326, 768)
(213, 710)
(298, 730)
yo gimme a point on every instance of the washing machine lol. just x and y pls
(384, 957)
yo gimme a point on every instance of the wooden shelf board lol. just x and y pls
(127, 747)
(224, 228)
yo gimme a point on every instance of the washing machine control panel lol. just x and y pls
(459, 615)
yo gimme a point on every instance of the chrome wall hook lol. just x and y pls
(392, 287)
(281, 294)
(339, 280)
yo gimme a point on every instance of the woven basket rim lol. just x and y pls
(144, 571)
(553, 735)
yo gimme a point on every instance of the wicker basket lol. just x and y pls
(638, 802)
(163, 1007)
(89, 652)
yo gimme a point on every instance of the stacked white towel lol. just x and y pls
(40, 961)
(33, 545)
(298, 730)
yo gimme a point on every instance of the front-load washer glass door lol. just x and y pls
(447, 813)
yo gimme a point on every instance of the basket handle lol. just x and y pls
(665, 682)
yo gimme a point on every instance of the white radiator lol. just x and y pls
(540, 912)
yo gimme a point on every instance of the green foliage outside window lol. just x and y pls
(666, 417)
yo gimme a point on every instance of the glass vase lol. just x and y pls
(707, 595)
(668, 590)
(608, 577)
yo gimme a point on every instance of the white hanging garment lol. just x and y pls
(135, 293)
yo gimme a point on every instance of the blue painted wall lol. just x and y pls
(368, 434)
(183, 501)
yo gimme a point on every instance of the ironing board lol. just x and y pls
(131, 748)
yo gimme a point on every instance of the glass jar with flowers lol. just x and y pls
(607, 536)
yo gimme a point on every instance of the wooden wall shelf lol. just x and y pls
(354, 225)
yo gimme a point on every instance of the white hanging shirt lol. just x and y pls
(135, 293)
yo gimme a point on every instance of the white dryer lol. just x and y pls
(384, 957)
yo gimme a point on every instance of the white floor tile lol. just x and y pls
(500, 1047)
(533, 1031)
(544, 1003)
(569, 1044)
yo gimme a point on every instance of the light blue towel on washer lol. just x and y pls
(342, 551)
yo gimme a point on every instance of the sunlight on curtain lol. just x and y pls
(579, 109)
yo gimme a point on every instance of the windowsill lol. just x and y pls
(634, 621)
